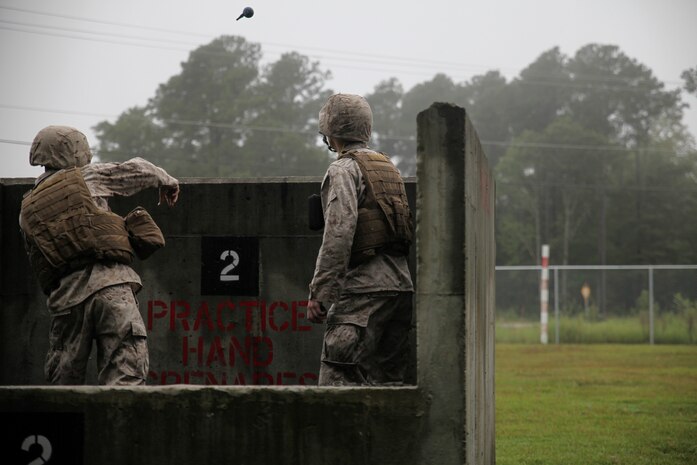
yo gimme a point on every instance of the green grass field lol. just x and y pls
(596, 404)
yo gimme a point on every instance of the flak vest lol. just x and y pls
(384, 218)
(65, 230)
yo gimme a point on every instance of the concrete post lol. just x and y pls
(455, 289)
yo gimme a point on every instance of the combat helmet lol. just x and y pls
(60, 147)
(347, 117)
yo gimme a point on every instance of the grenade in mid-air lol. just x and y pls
(248, 12)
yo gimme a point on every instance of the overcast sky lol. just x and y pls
(78, 62)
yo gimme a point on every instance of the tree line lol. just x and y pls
(589, 151)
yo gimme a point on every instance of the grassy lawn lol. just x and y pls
(596, 404)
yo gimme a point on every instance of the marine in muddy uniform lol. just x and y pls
(361, 286)
(81, 254)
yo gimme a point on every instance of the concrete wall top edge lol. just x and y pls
(240, 390)
(15, 181)
(187, 180)
(266, 180)
(20, 397)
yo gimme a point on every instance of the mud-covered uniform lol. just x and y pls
(368, 323)
(97, 300)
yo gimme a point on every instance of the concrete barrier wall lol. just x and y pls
(224, 302)
(448, 418)
(213, 425)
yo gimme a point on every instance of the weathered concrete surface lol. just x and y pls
(237, 425)
(455, 288)
(447, 419)
(194, 337)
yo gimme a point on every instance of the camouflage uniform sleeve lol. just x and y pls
(127, 178)
(340, 202)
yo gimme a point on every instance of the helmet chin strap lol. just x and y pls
(326, 141)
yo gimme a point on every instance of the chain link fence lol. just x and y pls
(622, 304)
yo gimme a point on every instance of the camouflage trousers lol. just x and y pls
(367, 340)
(111, 318)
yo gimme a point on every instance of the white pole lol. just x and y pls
(651, 305)
(544, 294)
(556, 305)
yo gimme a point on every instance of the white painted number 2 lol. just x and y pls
(225, 272)
(42, 442)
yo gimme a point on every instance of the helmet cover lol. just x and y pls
(347, 117)
(60, 147)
